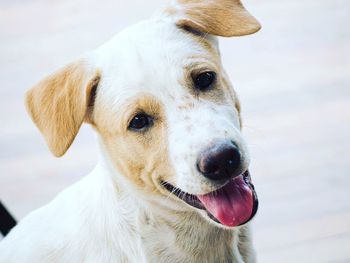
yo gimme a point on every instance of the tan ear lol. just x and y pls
(216, 17)
(59, 103)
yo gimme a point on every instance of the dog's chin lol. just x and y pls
(233, 204)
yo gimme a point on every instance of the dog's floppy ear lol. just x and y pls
(216, 17)
(59, 103)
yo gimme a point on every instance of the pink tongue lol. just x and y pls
(232, 205)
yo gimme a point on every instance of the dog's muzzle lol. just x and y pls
(235, 202)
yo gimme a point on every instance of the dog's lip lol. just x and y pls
(193, 200)
(190, 199)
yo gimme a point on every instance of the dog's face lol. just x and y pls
(164, 108)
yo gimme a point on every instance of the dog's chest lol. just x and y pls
(187, 241)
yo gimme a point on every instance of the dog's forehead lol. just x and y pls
(153, 55)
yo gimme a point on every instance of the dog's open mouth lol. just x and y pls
(232, 205)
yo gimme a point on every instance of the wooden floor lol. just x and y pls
(293, 78)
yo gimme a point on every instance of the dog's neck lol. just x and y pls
(187, 237)
(166, 235)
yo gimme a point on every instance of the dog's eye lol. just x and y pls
(204, 81)
(140, 122)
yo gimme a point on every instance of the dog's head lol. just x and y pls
(164, 108)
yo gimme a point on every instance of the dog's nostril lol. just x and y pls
(207, 165)
(234, 160)
(219, 161)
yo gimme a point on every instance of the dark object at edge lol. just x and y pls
(7, 222)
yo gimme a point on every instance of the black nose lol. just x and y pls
(219, 161)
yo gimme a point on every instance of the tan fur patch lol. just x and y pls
(211, 63)
(140, 156)
(222, 17)
(58, 104)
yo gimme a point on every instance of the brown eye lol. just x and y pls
(204, 81)
(140, 122)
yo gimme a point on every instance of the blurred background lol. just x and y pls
(293, 78)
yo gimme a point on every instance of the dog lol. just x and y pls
(172, 183)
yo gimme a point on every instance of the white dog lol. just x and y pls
(172, 184)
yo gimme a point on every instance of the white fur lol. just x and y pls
(104, 217)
